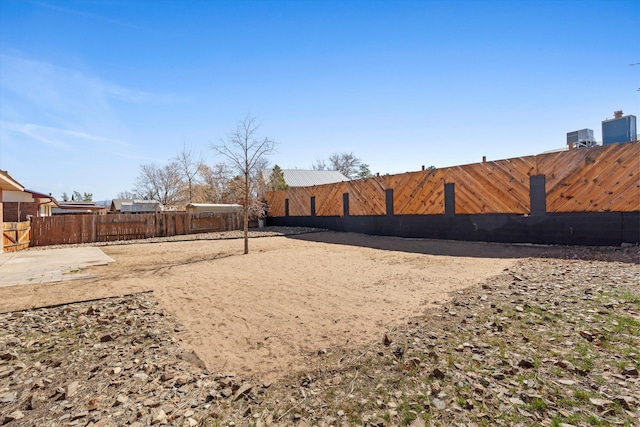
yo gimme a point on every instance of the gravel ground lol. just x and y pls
(551, 342)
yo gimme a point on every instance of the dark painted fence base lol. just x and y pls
(595, 229)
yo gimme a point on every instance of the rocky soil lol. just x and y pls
(551, 342)
(219, 235)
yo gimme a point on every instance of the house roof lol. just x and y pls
(307, 178)
(66, 207)
(43, 196)
(116, 204)
(81, 203)
(8, 183)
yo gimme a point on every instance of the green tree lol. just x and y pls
(85, 197)
(364, 171)
(276, 180)
(77, 197)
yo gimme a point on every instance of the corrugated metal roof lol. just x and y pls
(116, 204)
(213, 207)
(307, 178)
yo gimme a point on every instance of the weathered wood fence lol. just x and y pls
(67, 229)
(16, 235)
(598, 179)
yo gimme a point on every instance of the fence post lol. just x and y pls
(286, 207)
(389, 201)
(94, 227)
(537, 195)
(345, 204)
(313, 206)
(449, 199)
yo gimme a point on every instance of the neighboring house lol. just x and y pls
(78, 208)
(134, 206)
(7, 183)
(196, 208)
(308, 178)
(21, 205)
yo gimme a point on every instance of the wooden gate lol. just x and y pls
(16, 235)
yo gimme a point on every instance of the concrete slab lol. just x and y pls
(50, 265)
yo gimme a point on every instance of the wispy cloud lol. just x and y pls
(137, 96)
(67, 109)
(43, 83)
(64, 139)
(53, 104)
(87, 15)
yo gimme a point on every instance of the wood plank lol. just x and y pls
(66, 229)
(16, 235)
(597, 179)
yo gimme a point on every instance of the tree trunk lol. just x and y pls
(246, 213)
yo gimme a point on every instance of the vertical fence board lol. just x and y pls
(70, 229)
(16, 235)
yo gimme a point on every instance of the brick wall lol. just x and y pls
(10, 211)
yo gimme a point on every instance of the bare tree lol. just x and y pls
(159, 183)
(189, 167)
(261, 175)
(126, 195)
(319, 165)
(245, 153)
(214, 183)
(345, 163)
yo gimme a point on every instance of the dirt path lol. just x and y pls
(267, 312)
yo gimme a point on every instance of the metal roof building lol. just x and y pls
(619, 129)
(135, 206)
(307, 178)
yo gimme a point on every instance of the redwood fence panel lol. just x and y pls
(70, 229)
(588, 196)
(597, 179)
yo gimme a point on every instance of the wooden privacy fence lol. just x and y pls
(16, 235)
(67, 229)
(597, 179)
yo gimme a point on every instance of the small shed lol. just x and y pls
(197, 208)
(134, 206)
(307, 178)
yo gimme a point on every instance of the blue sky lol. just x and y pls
(91, 89)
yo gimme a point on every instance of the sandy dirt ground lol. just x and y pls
(266, 314)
